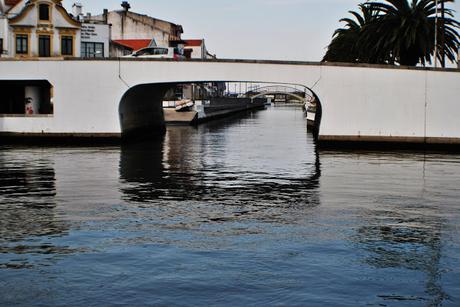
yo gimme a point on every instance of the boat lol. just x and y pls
(184, 105)
(310, 110)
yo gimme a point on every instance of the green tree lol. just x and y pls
(346, 42)
(403, 31)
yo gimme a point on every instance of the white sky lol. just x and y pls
(248, 29)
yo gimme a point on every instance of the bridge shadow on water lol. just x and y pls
(176, 169)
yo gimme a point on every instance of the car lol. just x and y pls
(158, 53)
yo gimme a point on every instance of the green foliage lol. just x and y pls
(395, 31)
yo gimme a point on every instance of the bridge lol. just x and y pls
(302, 95)
(356, 102)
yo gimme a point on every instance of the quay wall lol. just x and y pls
(359, 103)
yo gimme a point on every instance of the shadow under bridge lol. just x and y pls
(141, 109)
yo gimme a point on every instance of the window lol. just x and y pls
(92, 50)
(44, 46)
(26, 97)
(22, 44)
(66, 45)
(44, 12)
(1, 46)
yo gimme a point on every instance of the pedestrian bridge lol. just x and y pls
(357, 102)
(302, 95)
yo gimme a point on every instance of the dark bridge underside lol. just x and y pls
(141, 110)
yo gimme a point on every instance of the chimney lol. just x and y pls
(126, 5)
(77, 9)
(105, 15)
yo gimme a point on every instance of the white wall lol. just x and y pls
(372, 103)
(138, 28)
(197, 52)
(96, 33)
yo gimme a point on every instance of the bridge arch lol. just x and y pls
(141, 106)
(141, 109)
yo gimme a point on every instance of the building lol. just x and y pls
(132, 31)
(43, 28)
(196, 49)
(30, 29)
(38, 29)
(95, 34)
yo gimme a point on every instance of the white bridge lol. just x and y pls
(357, 103)
(302, 95)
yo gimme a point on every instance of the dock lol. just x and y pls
(211, 109)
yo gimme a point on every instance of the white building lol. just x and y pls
(130, 25)
(38, 29)
(95, 34)
(196, 49)
(129, 30)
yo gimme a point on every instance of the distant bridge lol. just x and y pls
(301, 95)
(357, 102)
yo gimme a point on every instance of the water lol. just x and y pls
(244, 211)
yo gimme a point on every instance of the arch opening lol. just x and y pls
(141, 110)
(143, 107)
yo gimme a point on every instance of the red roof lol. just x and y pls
(12, 2)
(133, 44)
(194, 42)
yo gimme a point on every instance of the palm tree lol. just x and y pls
(345, 45)
(406, 31)
(396, 31)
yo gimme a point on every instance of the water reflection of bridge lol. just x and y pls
(398, 226)
(176, 169)
(28, 209)
(395, 230)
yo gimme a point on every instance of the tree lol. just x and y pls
(345, 45)
(403, 31)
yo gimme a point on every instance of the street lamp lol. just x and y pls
(443, 36)
(436, 36)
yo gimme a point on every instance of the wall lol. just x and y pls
(3, 32)
(96, 33)
(136, 26)
(359, 103)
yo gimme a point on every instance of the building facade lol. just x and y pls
(130, 25)
(129, 30)
(95, 34)
(196, 49)
(38, 28)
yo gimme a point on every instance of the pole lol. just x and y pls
(436, 36)
(443, 37)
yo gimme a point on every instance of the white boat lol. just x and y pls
(184, 105)
(310, 110)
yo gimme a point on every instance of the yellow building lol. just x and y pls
(38, 28)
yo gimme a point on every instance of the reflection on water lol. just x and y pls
(27, 209)
(243, 211)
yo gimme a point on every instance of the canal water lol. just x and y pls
(244, 211)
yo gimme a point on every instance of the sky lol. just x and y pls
(249, 29)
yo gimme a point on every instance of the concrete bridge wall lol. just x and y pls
(358, 103)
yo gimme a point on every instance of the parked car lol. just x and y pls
(158, 52)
